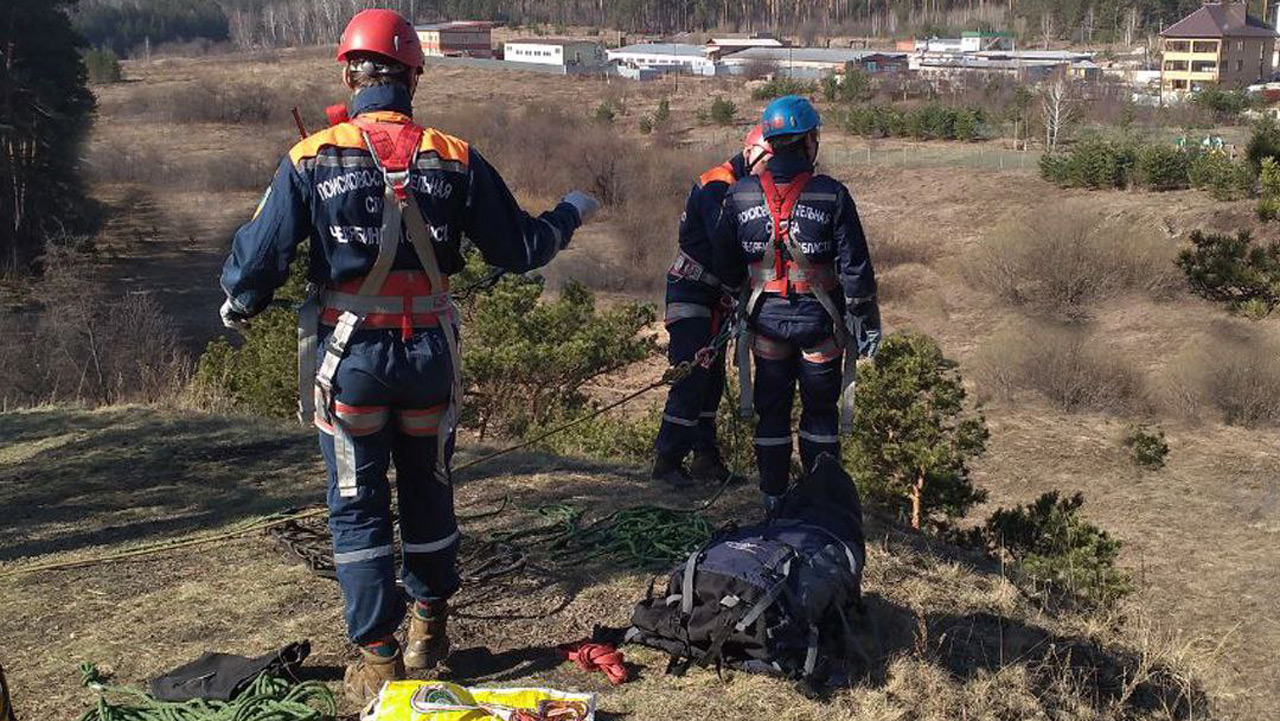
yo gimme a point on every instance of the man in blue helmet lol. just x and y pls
(696, 308)
(792, 241)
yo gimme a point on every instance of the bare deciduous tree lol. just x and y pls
(1057, 108)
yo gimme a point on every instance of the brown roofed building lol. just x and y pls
(1218, 44)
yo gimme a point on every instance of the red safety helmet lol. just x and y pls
(385, 33)
(755, 149)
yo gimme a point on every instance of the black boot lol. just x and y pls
(672, 472)
(707, 466)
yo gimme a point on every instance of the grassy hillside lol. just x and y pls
(951, 638)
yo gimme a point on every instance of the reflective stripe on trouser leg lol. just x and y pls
(678, 433)
(362, 539)
(428, 528)
(350, 422)
(820, 384)
(775, 393)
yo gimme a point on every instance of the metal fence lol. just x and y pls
(949, 155)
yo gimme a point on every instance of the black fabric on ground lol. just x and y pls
(222, 676)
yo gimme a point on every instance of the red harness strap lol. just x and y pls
(395, 145)
(781, 202)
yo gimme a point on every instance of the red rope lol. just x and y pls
(597, 656)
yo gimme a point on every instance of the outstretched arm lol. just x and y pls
(506, 235)
(263, 248)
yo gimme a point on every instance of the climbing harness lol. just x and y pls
(785, 268)
(381, 299)
(267, 699)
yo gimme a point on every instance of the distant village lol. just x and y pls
(1218, 45)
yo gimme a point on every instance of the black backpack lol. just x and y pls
(772, 598)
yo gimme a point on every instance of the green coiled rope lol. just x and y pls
(641, 537)
(268, 698)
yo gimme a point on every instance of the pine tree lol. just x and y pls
(913, 437)
(45, 111)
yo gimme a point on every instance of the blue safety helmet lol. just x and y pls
(789, 115)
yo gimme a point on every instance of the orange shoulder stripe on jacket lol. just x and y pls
(722, 173)
(342, 135)
(446, 146)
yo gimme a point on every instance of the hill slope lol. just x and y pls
(952, 638)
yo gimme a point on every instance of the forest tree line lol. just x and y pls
(126, 25)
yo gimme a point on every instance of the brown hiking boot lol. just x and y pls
(366, 675)
(428, 641)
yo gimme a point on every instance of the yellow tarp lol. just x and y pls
(442, 701)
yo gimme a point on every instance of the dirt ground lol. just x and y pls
(1200, 534)
(951, 636)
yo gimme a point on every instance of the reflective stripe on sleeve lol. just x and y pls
(776, 441)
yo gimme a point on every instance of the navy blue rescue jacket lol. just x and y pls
(329, 189)
(825, 223)
(701, 214)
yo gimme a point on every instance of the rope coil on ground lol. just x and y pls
(267, 699)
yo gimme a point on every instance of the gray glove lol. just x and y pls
(231, 317)
(862, 320)
(583, 203)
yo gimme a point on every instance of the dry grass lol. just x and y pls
(84, 344)
(948, 637)
(1060, 263)
(1232, 376)
(1065, 365)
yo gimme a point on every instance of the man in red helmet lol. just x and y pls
(696, 306)
(386, 203)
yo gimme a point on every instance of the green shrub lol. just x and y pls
(1162, 167)
(261, 375)
(1264, 142)
(1147, 447)
(853, 86)
(646, 124)
(663, 113)
(1053, 168)
(913, 438)
(526, 358)
(928, 122)
(1233, 270)
(1098, 163)
(1268, 209)
(1269, 188)
(102, 65)
(1055, 552)
(605, 113)
(723, 112)
(966, 124)
(1219, 175)
(1224, 104)
(781, 85)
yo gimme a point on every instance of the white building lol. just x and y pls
(570, 54)
(815, 62)
(666, 57)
